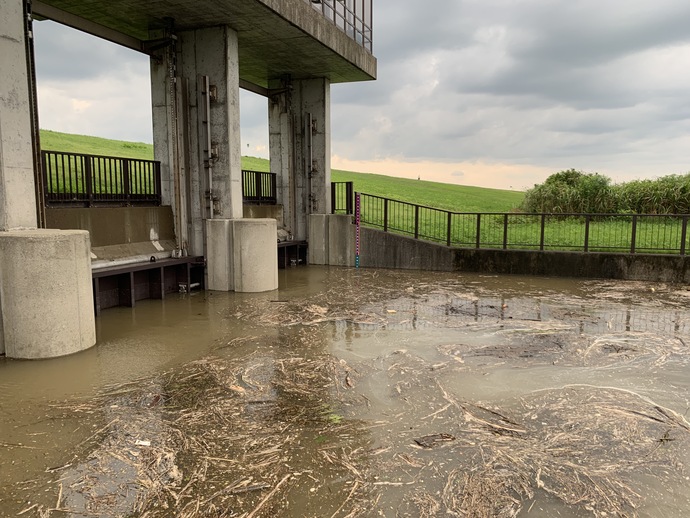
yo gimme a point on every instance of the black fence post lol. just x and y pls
(683, 235)
(385, 214)
(350, 194)
(124, 170)
(333, 198)
(450, 224)
(416, 221)
(505, 231)
(88, 180)
(47, 185)
(541, 237)
(587, 220)
(479, 230)
(633, 237)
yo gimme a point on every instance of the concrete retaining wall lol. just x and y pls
(119, 232)
(385, 250)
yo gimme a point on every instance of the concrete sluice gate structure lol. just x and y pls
(202, 52)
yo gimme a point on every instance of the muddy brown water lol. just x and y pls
(363, 393)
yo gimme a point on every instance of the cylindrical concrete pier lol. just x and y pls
(46, 297)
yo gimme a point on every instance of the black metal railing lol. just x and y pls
(342, 198)
(259, 187)
(354, 17)
(615, 233)
(81, 180)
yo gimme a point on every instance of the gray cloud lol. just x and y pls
(64, 54)
(546, 83)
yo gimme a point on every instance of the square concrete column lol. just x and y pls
(300, 150)
(17, 192)
(242, 255)
(46, 297)
(180, 129)
(332, 240)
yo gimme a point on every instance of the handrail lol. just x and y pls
(85, 180)
(259, 187)
(342, 198)
(354, 17)
(606, 232)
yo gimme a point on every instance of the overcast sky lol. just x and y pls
(495, 93)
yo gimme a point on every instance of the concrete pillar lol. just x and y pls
(46, 298)
(281, 150)
(180, 128)
(300, 142)
(17, 192)
(220, 275)
(242, 255)
(332, 240)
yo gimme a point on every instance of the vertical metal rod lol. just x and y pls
(205, 123)
(333, 197)
(587, 220)
(683, 235)
(88, 180)
(416, 221)
(124, 167)
(505, 231)
(541, 238)
(450, 223)
(479, 230)
(633, 237)
(349, 190)
(385, 215)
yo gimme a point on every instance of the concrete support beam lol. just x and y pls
(17, 190)
(281, 151)
(242, 255)
(46, 298)
(180, 129)
(300, 150)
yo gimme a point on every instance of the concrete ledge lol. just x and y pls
(386, 250)
(46, 300)
(116, 226)
(635, 267)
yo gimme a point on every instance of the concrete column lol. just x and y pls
(300, 141)
(242, 255)
(162, 111)
(46, 298)
(211, 52)
(281, 150)
(332, 240)
(220, 275)
(255, 255)
(17, 190)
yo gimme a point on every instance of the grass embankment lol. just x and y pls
(456, 198)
